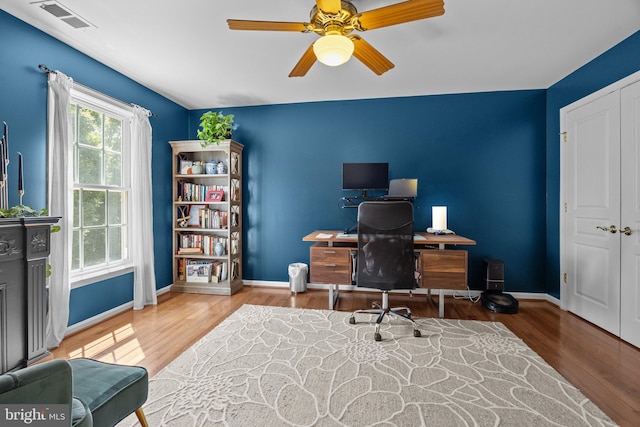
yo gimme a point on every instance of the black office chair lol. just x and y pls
(386, 259)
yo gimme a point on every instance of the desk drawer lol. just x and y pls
(444, 269)
(330, 265)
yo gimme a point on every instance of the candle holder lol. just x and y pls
(20, 177)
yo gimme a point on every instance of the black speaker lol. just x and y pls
(495, 274)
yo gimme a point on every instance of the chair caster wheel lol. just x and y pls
(352, 320)
(416, 333)
(377, 337)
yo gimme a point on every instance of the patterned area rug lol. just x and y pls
(273, 366)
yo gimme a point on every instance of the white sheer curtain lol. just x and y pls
(141, 229)
(60, 158)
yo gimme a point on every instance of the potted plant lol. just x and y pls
(215, 127)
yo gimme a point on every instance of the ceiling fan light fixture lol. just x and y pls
(333, 49)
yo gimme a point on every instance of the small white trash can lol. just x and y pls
(298, 277)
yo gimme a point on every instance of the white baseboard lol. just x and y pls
(417, 291)
(274, 284)
(105, 315)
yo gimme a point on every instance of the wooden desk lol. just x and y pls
(332, 254)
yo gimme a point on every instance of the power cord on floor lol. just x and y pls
(473, 299)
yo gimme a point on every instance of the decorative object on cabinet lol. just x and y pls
(211, 168)
(222, 168)
(214, 196)
(194, 215)
(199, 273)
(207, 220)
(20, 211)
(197, 168)
(215, 127)
(183, 217)
(185, 167)
(4, 164)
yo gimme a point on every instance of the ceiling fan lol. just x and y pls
(335, 20)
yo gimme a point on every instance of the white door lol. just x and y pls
(592, 183)
(630, 215)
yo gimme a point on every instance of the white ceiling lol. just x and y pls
(185, 51)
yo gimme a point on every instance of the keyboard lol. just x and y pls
(355, 236)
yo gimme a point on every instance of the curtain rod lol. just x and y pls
(48, 70)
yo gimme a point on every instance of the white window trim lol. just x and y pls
(105, 104)
(88, 278)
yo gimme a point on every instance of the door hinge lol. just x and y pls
(564, 136)
(565, 277)
(565, 207)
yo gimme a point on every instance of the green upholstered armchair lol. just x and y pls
(99, 394)
(46, 383)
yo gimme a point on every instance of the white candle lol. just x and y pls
(439, 217)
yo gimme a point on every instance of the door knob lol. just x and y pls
(627, 231)
(612, 229)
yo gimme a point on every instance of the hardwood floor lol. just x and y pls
(604, 368)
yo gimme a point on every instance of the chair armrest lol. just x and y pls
(49, 382)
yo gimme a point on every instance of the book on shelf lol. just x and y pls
(212, 218)
(189, 251)
(219, 273)
(181, 269)
(191, 192)
(202, 244)
(199, 271)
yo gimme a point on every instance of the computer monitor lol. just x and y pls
(365, 176)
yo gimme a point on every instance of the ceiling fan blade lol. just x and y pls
(304, 64)
(370, 56)
(407, 11)
(329, 6)
(240, 24)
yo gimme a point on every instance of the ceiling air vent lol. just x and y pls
(65, 14)
(55, 10)
(75, 22)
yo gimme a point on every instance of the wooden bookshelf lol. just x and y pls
(213, 202)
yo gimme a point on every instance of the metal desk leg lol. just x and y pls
(334, 290)
(440, 301)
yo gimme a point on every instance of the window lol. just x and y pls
(101, 188)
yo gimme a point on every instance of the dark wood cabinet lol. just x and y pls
(24, 248)
(444, 269)
(331, 264)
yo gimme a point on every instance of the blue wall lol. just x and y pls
(613, 65)
(492, 158)
(480, 154)
(23, 104)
